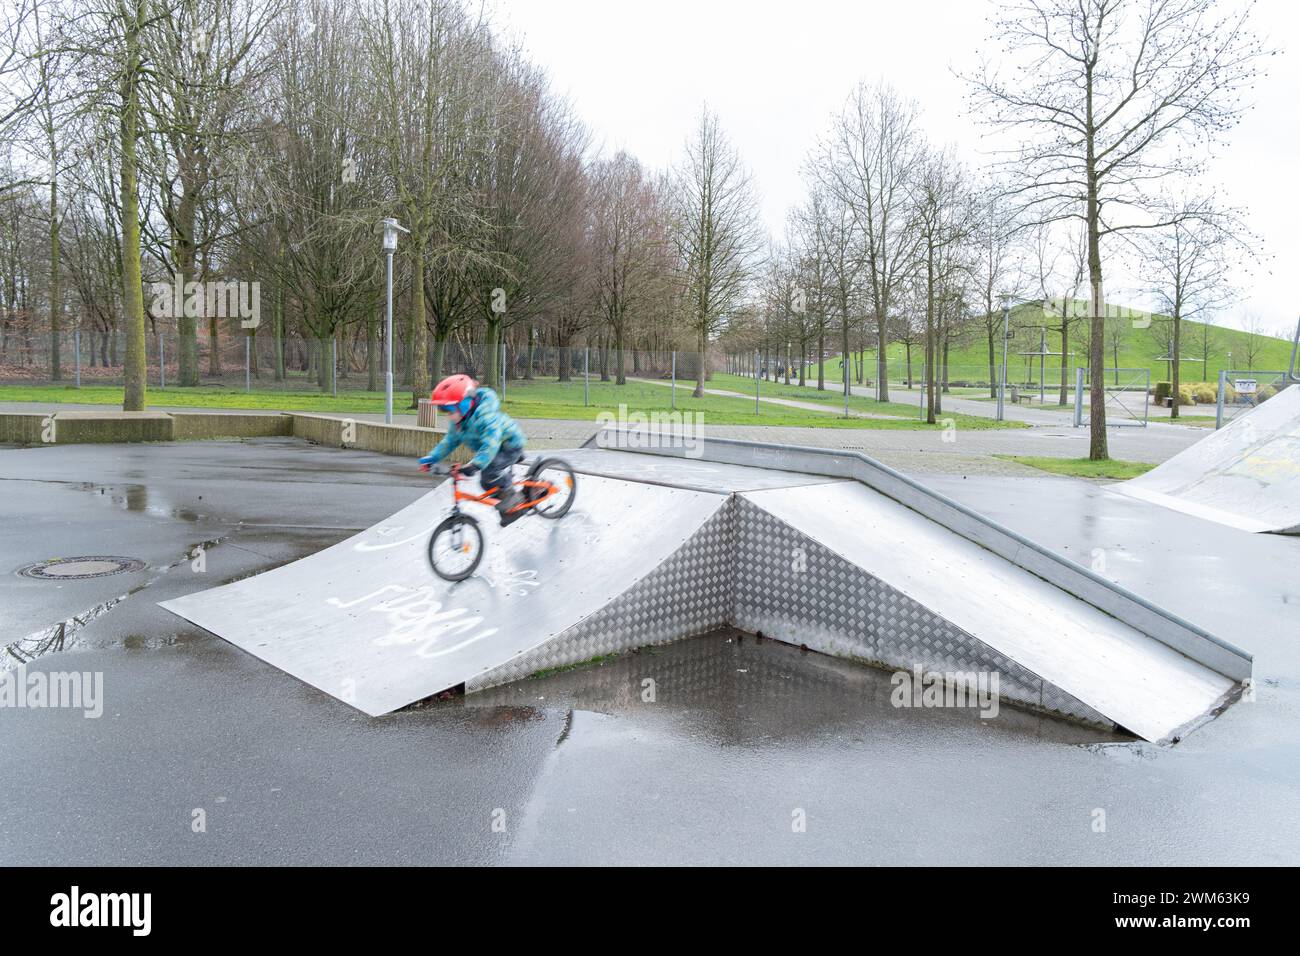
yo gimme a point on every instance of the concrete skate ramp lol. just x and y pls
(368, 622)
(1245, 475)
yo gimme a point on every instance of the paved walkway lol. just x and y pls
(788, 402)
(956, 452)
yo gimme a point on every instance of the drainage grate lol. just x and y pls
(76, 569)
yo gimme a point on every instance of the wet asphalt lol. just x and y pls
(750, 752)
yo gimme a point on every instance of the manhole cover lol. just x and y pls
(74, 569)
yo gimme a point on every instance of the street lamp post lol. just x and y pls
(390, 227)
(1005, 298)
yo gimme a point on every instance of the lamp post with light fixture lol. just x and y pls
(390, 227)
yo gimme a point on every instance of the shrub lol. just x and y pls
(1204, 394)
(1163, 391)
(1185, 395)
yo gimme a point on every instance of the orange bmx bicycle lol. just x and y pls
(456, 545)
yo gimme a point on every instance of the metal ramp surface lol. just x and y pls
(1245, 475)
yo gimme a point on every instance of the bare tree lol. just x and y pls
(716, 232)
(629, 234)
(1103, 94)
(998, 257)
(865, 161)
(1184, 265)
(943, 218)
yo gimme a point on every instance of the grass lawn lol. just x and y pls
(1083, 467)
(536, 399)
(1139, 348)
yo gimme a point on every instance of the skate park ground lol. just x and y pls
(744, 737)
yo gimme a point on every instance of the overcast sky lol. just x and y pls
(638, 73)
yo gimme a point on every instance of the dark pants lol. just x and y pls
(497, 473)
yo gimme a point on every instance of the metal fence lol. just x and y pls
(1127, 393)
(1241, 390)
(353, 362)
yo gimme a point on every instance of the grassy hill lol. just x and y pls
(1139, 348)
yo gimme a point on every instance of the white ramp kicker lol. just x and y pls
(368, 622)
(1245, 475)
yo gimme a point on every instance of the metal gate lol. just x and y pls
(1127, 395)
(1240, 390)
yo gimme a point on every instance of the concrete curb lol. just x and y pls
(85, 427)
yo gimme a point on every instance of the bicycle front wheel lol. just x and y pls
(455, 547)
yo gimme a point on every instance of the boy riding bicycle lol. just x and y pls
(478, 422)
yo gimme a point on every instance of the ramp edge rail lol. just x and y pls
(1169, 629)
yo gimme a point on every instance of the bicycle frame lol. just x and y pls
(486, 498)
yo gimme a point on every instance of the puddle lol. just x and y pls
(57, 637)
(140, 499)
(61, 636)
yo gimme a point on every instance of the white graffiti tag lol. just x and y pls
(416, 617)
(388, 531)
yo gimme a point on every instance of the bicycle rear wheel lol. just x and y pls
(455, 547)
(559, 474)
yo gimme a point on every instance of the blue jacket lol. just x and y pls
(485, 430)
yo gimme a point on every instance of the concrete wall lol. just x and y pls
(77, 427)
(73, 428)
(24, 428)
(405, 440)
(196, 426)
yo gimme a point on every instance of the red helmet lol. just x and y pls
(453, 388)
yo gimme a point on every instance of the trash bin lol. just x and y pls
(427, 415)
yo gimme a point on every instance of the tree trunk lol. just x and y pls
(214, 348)
(565, 370)
(419, 372)
(439, 350)
(372, 351)
(1097, 450)
(698, 392)
(56, 299)
(1065, 352)
(277, 330)
(1174, 353)
(993, 365)
(135, 375)
(882, 360)
(492, 348)
(821, 360)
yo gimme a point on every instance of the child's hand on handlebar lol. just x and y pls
(467, 470)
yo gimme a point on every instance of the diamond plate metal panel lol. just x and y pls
(688, 594)
(793, 589)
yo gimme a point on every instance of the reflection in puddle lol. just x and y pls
(140, 499)
(740, 690)
(56, 637)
